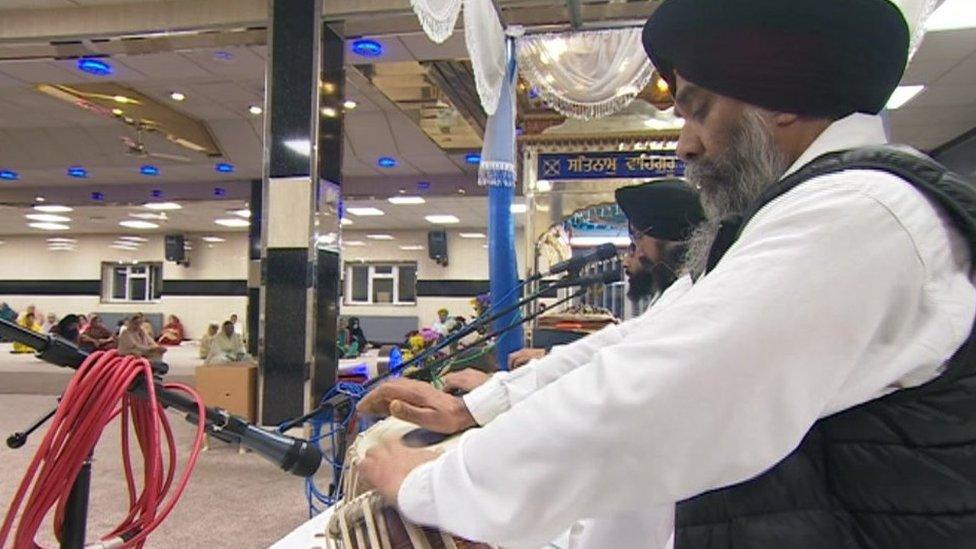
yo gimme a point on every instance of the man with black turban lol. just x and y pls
(814, 388)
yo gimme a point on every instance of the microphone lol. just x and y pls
(606, 277)
(293, 455)
(603, 251)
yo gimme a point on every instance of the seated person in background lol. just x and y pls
(97, 336)
(172, 332)
(148, 327)
(226, 346)
(7, 313)
(68, 329)
(444, 323)
(238, 329)
(83, 322)
(346, 348)
(49, 322)
(27, 321)
(207, 338)
(135, 341)
(356, 334)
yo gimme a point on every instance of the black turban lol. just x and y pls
(667, 210)
(827, 58)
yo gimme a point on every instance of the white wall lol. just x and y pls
(27, 258)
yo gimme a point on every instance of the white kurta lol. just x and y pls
(845, 289)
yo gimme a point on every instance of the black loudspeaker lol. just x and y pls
(437, 246)
(174, 248)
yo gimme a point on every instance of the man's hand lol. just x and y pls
(420, 403)
(465, 380)
(386, 466)
(522, 356)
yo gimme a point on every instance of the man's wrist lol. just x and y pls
(462, 415)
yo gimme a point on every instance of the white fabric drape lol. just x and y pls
(437, 17)
(485, 39)
(586, 74)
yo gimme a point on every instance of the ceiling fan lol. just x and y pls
(136, 147)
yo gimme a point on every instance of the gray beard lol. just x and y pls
(732, 182)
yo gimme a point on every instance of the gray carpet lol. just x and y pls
(233, 500)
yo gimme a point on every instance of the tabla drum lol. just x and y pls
(361, 520)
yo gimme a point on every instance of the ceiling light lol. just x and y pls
(138, 224)
(224, 167)
(952, 15)
(472, 158)
(162, 206)
(255, 110)
(78, 172)
(329, 112)
(222, 55)
(353, 243)
(440, 219)
(39, 198)
(123, 247)
(177, 96)
(53, 208)
(94, 66)
(241, 213)
(62, 248)
(149, 215)
(411, 248)
(518, 208)
(117, 111)
(662, 85)
(122, 99)
(345, 221)
(134, 238)
(327, 239)
(365, 47)
(543, 186)
(386, 162)
(128, 243)
(380, 236)
(97, 196)
(219, 191)
(365, 212)
(471, 235)
(406, 200)
(349, 104)
(301, 146)
(902, 95)
(620, 241)
(423, 185)
(48, 217)
(9, 175)
(212, 239)
(149, 170)
(233, 222)
(62, 240)
(49, 226)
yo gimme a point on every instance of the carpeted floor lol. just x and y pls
(233, 500)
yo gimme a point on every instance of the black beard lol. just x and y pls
(652, 278)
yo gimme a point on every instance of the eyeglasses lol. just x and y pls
(636, 235)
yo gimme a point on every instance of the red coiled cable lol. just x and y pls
(96, 395)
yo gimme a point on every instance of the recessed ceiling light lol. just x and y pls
(212, 239)
(365, 212)
(471, 235)
(241, 213)
(353, 243)
(162, 206)
(177, 96)
(149, 215)
(49, 226)
(117, 111)
(380, 236)
(149, 170)
(349, 104)
(442, 219)
(77, 171)
(365, 47)
(62, 240)
(518, 208)
(94, 66)
(472, 158)
(223, 55)
(39, 198)
(952, 15)
(97, 196)
(52, 208)
(123, 99)
(219, 191)
(233, 222)
(345, 221)
(62, 248)
(128, 243)
(386, 162)
(9, 175)
(412, 248)
(406, 200)
(300, 146)
(48, 217)
(329, 112)
(255, 110)
(123, 247)
(138, 224)
(224, 167)
(902, 95)
(134, 238)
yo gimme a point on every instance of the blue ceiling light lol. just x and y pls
(97, 196)
(156, 193)
(97, 67)
(472, 158)
(220, 191)
(423, 185)
(365, 47)
(386, 162)
(224, 167)
(77, 171)
(9, 175)
(222, 55)
(149, 170)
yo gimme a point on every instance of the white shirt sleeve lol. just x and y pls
(505, 389)
(710, 391)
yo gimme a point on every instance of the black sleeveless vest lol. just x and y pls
(898, 472)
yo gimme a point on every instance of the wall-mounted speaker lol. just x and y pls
(437, 246)
(175, 248)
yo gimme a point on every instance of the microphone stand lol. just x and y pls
(291, 454)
